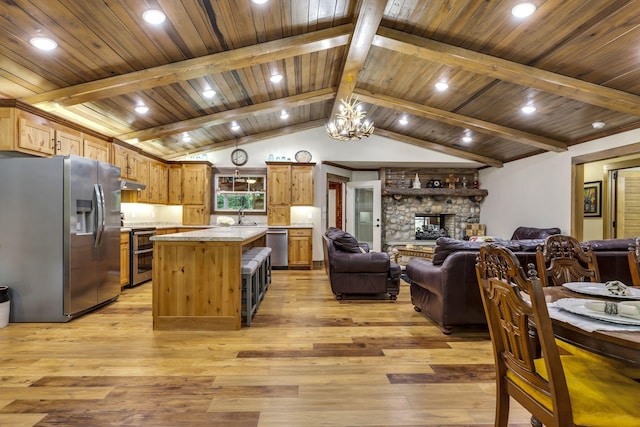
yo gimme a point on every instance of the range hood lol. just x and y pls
(131, 185)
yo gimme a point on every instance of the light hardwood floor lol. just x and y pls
(307, 360)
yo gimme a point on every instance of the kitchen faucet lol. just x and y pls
(240, 215)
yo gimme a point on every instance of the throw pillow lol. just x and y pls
(343, 241)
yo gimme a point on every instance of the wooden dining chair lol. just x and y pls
(561, 259)
(557, 390)
(634, 262)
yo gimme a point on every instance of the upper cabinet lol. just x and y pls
(158, 185)
(193, 190)
(175, 184)
(96, 148)
(37, 135)
(127, 160)
(288, 184)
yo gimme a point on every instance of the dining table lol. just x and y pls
(616, 342)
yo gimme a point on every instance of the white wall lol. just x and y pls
(536, 191)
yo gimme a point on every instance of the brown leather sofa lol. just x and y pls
(446, 289)
(352, 269)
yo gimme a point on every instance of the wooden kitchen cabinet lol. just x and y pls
(288, 184)
(302, 184)
(127, 160)
(124, 259)
(196, 194)
(37, 135)
(175, 185)
(96, 149)
(300, 248)
(143, 177)
(158, 182)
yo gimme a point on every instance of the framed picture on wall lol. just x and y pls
(593, 199)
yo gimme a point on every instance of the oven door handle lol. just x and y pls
(144, 233)
(144, 251)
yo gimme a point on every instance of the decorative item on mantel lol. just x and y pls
(349, 124)
(451, 180)
(416, 182)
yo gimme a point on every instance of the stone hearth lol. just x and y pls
(399, 215)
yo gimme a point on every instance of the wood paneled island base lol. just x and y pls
(197, 278)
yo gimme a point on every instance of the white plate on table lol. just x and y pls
(598, 289)
(576, 306)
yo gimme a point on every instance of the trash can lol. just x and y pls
(5, 303)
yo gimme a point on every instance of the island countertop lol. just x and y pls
(215, 234)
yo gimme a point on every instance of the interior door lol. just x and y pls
(628, 204)
(364, 212)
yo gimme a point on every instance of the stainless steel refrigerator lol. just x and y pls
(59, 236)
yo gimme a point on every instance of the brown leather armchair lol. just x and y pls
(352, 269)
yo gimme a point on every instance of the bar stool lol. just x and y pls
(250, 288)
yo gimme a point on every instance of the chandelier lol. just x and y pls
(349, 123)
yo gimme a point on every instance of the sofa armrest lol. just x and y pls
(371, 262)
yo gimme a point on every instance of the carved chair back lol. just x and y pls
(561, 259)
(634, 262)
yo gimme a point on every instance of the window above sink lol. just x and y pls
(235, 191)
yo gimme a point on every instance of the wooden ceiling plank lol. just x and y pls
(367, 23)
(439, 148)
(193, 68)
(463, 121)
(501, 69)
(230, 115)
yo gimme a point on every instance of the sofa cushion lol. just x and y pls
(343, 241)
(447, 245)
(609, 244)
(522, 233)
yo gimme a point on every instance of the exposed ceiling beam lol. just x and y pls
(249, 139)
(230, 115)
(194, 68)
(455, 119)
(440, 148)
(513, 72)
(367, 23)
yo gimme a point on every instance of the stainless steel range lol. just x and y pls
(141, 255)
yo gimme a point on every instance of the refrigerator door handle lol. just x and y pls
(99, 230)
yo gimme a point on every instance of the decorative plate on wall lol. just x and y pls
(303, 156)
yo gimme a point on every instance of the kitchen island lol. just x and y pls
(197, 278)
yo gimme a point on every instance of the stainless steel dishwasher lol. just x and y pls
(278, 241)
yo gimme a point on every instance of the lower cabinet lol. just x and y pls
(300, 248)
(124, 259)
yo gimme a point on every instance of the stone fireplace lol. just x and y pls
(399, 216)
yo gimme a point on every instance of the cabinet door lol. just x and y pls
(142, 176)
(96, 149)
(279, 185)
(158, 182)
(300, 248)
(195, 215)
(124, 259)
(68, 142)
(175, 184)
(35, 136)
(278, 214)
(301, 185)
(120, 158)
(195, 184)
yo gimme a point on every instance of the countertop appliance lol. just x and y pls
(278, 241)
(59, 236)
(141, 254)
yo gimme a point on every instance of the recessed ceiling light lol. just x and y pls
(528, 109)
(154, 16)
(209, 93)
(284, 115)
(522, 10)
(43, 43)
(276, 78)
(598, 125)
(235, 126)
(186, 138)
(403, 121)
(441, 86)
(142, 109)
(467, 139)
(259, 1)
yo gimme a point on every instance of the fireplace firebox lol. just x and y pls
(430, 226)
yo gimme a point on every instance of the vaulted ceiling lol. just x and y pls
(576, 61)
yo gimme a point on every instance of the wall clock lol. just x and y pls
(239, 157)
